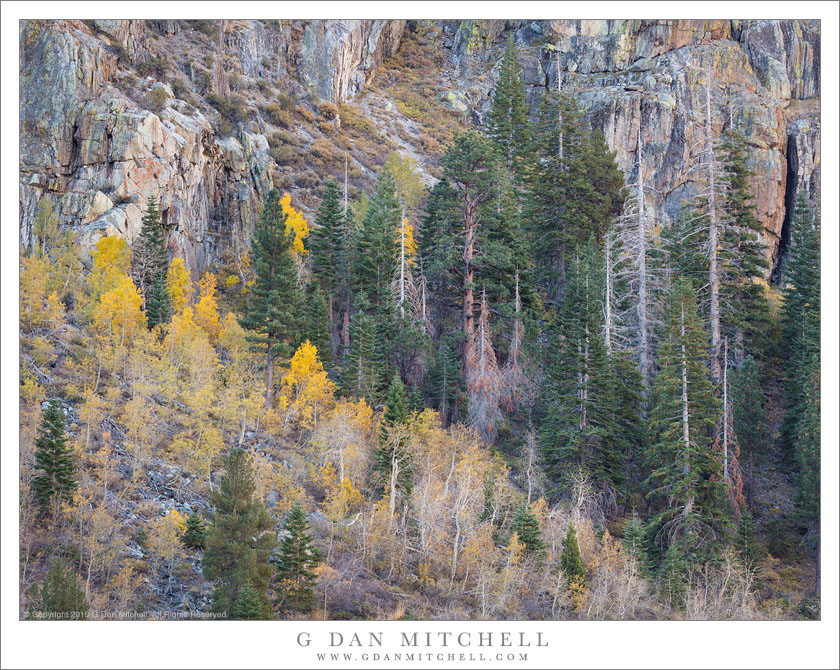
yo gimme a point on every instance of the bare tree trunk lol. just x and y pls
(714, 271)
(644, 327)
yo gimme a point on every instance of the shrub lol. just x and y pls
(280, 138)
(326, 127)
(284, 155)
(305, 114)
(285, 101)
(350, 118)
(156, 100)
(179, 89)
(277, 115)
(306, 179)
(327, 110)
(152, 66)
(233, 110)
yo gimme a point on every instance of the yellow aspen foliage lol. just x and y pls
(54, 313)
(34, 275)
(232, 336)
(207, 309)
(405, 236)
(111, 261)
(295, 222)
(178, 285)
(118, 313)
(306, 389)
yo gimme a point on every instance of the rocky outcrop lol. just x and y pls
(337, 58)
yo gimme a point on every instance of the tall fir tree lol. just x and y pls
(54, 459)
(238, 543)
(248, 605)
(329, 257)
(591, 414)
(801, 318)
(508, 119)
(295, 564)
(159, 304)
(686, 477)
(273, 298)
(150, 259)
(571, 563)
(392, 459)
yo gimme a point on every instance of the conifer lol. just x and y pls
(238, 543)
(273, 298)
(54, 459)
(194, 535)
(60, 596)
(150, 260)
(571, 564)
(295, 565)
(527, 525)
(248, 605)
(391, 460)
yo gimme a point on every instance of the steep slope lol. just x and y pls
(113, 111)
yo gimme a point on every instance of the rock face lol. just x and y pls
(99, 152)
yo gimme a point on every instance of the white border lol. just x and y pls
(271, 644)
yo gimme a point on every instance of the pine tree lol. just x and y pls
(686, 474)
(298, 557)
(746, 543)
(674, 573)
(808, 447)
(158, 306)
(316, 325)
(571, 564)
(391, 460)
(484, 379)
(272, 299)
(248, 605)
(60, 596)
(54, 458)
(745, 314)
(150, 260)
(238, 543)
(801, 318)
(328, 256)
(527, 525)
(362, 373)
(508, 119)
(194, 536)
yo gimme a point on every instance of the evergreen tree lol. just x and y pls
(316, 326)
(273, 298)
(746, 543)
(248, 605)
(745, 314)
(391, 460)
(445, 384)
(748, 414)
(808, 447)
(508, 118)
(54, 459)
(194, 535)
(801, 318)
(686, 474)
(591, 407)
(574, 191)
(60, 596)
(634, 541)
(415, 400)
(329, 257)
(238, 543)
(527, 526)
(150, 259)
(298, 557)
(673, 573)
(159, 305)
(571, 564)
